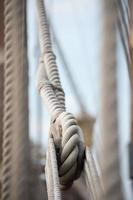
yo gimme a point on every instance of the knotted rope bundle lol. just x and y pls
(65, 135)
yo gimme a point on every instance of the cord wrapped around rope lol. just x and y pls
(65, 134)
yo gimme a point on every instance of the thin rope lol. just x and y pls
(131, 81)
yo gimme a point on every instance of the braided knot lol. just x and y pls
(71, 153)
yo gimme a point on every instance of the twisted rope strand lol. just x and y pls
(69, 159)
(8, 100)
(15, 172)
(20, 167)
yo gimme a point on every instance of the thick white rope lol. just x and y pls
(66, 133)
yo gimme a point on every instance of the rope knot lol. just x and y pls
(71, 153)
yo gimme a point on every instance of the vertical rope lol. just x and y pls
(48, 55)
(20, 174)
(1, 113)
(131, 81)
(53, 186)
(16, 163)
(109, 154)
(8, 99)
(1, 80)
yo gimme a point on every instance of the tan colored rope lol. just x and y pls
(8, 100)
(109, 153)
(20, 168)
(1, 75)
(16, 163)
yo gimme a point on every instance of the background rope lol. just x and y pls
(125, 29)
(21, 169)
(131, 81)
(66, 132)
(109, 153)
(1, 81)
(16, 163)
(8, 100)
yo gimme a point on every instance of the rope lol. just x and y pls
(109, 152)
(66, 133)
(16, 163)
(52, 172)
(1, 113)
(131, 81)
(8, 100)
(125, 26)
(91, 176)
(1, 80)
(20, 177)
